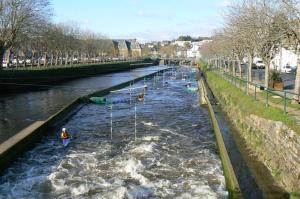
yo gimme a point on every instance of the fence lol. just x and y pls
(260, 92)
(43, 66)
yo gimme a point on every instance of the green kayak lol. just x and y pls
(192, 89)
(100, 100)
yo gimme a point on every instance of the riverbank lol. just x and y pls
(11, 80)
(271, 135)
(231, 179)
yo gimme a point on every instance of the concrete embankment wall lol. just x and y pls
(16, 79)
(30, 136)
(232, 184)
(272, 142)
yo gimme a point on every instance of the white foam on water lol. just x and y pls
(119, 192)
(184, 196)
(143, 148)
(133, 168)
(195, 105)
(148, 123)
(136, 192)
(57, 183)
(25, 186)
(81, 189)
(151, 138)
(173, 133)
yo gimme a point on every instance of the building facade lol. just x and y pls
(127, 48)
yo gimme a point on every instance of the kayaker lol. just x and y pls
(188, 85)
(64, 134)
(141, 97)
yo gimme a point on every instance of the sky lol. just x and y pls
(145, 20)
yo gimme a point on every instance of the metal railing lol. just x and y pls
(35, 66)
(258, 89)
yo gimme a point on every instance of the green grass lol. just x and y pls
(247, 104)
(279, 100)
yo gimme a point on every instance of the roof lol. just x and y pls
(127, 44)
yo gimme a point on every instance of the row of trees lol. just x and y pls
(190, 38)
(256, 28)
(25, 27)
(59, 43)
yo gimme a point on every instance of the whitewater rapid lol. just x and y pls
(174, 155)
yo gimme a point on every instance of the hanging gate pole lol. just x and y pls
(163, 79)
(134, 121)
(111, 121)
(130, 93)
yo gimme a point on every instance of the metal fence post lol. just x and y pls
(267, 98)
(284, 102)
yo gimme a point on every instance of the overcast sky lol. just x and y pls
(146, 20)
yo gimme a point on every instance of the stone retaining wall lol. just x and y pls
(275, 144)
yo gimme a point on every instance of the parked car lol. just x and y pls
(75, 60)
(28, 61)
(16, 61)
(286, 69)
(259, 64)
(4, 63)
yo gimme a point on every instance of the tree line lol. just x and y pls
(25, 26)
(256, 28)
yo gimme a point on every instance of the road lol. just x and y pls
(259, 77)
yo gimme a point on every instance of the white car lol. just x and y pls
(260, 64)
(4, 63)
(19, 61)
(28, 61)
(286, 69)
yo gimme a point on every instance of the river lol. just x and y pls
(164, 149)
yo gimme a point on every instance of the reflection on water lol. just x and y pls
(20, 110)
(174, 155)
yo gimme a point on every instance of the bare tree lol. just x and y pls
(18, 18)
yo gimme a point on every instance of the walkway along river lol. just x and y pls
(163, 147)
(21, 109)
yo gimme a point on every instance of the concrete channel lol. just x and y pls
(231, 179)
(28, 137)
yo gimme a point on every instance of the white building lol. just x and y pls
(284, 58)
(194, 51)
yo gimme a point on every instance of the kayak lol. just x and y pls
(104, 101)
(100, 100)
(66, 142)
(192, 89)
